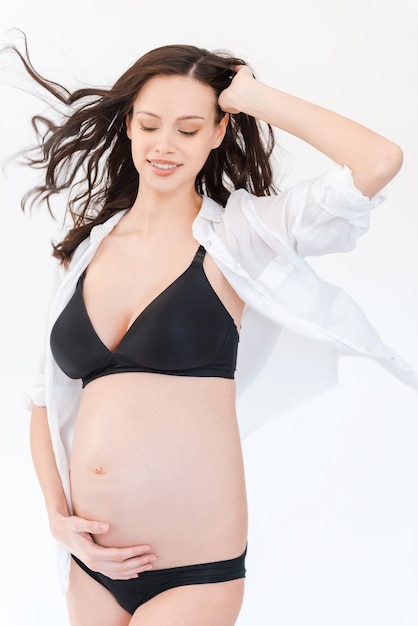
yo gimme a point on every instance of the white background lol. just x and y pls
(333, 483)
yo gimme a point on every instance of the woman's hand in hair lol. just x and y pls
(232, 99)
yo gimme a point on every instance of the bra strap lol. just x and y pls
(199, 256)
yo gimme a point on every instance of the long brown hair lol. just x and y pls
(87, 153)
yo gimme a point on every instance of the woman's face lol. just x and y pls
(172, 131)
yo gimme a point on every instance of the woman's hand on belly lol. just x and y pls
(75, 534)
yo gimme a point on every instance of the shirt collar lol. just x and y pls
(210, 210)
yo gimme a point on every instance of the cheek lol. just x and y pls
(140, 143)
(200, 157)
(138, 151)
(207, 145)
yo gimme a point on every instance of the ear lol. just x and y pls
(221, 130)
(128, 121)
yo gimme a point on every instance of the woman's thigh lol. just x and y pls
(90, 604)
(215, 604)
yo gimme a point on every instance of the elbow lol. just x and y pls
(391, 162)
(381, 170)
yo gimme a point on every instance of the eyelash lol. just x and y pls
(183, 132)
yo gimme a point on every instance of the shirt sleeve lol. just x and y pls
(319, 216)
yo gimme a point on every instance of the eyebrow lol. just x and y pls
(179, 119)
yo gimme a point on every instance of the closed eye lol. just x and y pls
(147, 128)
(188, 134)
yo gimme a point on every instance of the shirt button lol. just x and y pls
(208, 243)
(237, 266)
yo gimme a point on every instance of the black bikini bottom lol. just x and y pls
(130, 594)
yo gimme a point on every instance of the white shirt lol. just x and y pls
(294, 324)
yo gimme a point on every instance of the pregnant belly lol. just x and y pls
(159, 459)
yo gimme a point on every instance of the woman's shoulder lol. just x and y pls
(94, 238)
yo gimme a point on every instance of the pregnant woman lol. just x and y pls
(176, 228)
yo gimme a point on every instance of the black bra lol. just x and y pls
(185, 331)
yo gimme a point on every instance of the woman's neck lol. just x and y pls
(153, 212)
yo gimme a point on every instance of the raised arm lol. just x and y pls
(373, 160)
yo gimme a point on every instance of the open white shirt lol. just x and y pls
(294, 324)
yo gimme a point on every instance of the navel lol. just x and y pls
(99, 470)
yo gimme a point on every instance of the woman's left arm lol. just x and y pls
(372, 159)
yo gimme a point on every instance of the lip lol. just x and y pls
(153, 163)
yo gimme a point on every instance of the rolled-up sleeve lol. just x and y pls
(320, 216)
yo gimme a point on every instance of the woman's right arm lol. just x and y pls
(372, 159)
(75, 533)
(45, 465)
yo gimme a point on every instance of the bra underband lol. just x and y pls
(184, 331)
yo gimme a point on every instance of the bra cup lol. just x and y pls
(74, 344)
(180, 330)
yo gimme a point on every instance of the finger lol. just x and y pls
(131, 573)
(139, 563)
(133, 567)
(80, 525)
(122, 570)
(120, 554)
(243, 70)
(113, 561)
(133, 552)
(239, 68)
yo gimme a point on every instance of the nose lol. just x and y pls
(165, 143)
